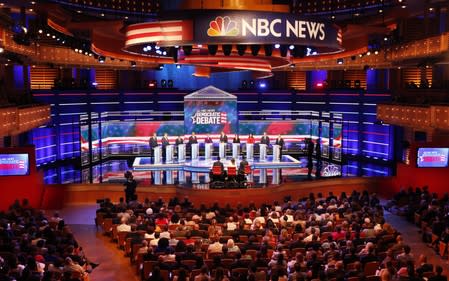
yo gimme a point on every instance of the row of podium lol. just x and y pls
(208, 152)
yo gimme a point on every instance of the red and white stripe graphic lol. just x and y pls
(340, 37)
(161, 31)
(224, 117)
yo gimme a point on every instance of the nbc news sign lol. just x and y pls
(262, 27)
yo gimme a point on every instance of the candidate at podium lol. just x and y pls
(242, 168)
(193, 139)
(179, 140)
(153, 143)
(250, 139)
(223, 137)
(208, 139)
(164, 143)
(265, 139)
(236, 139)
(280, 141)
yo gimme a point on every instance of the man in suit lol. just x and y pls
(221, 177)
(193, 139)
(280, 141)
(242, 165)
(223, 137)
(236, 139)
(179, 140)
(265, 139)
(153, 143)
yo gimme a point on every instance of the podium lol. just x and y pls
(181, 177)
(250, 151)
(157, 155)
(208, 150)
(169, 177)
(276, 176)
(222, 150)
(181, 152)
(157, 177)
(262, 152)
(276, 153)
(169, 152)
(263, 176)
(195, 151)
(235, 150)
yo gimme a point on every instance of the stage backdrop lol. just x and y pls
(210, 110)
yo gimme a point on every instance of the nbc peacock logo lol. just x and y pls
(222, 26)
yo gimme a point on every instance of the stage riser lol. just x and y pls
(88, 194)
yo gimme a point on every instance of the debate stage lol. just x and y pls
(165, 172)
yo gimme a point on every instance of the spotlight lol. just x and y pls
(145, 49)
(53, 37)
(292, 65)
(178, 66)
(157, 47)
(164, 53)
(241, 49)
(40, 31)
(133, 64)
(101, 59)
(227, 49)
(251, 84)
(376, 52)
(368, 53)
(244, 84)
(212, 49)
(161, 66)
(360, 55)
(164, 83)
(385, 38)
(255, 49)
(262, 85)
(48, 34)
(1, 50)
(76, 50)
(152, 84)
(149, 48)
(291, 47)
(340, 61)
(277, 46)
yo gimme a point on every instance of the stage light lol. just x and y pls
(339, 61)
(262, 85)
(164, 53)
(145, 49)
(1, 50)
(48, 34)
(76, 50)
(40, 31)
(152, 84)
(376, 52)
(101, 59)
(277, 46)
(360, 55)
(199, 45)
(368, 53)
(164, 83)
(178, 66)
(255, 49)
(268, 50)
(292, 65)
(149, 48)
(157, 47)
(161, 66)
(291, 47)
(133, 64)
(244, 84)
(251, 84)
(170, 83)
(385, 38)
(241, 49)
(227, 49)
(53, 37)
(319, 85)
(212, 49)
(158, 52)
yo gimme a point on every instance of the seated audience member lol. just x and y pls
(438, 274)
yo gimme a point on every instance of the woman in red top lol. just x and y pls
(250, 139)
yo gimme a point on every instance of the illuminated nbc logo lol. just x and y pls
(222, 26)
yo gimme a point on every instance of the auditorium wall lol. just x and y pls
(20, 187)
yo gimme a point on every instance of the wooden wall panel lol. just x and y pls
(43, 77)
(296, 80)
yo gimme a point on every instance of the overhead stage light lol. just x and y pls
(227, 49)
(268, 50)
(339, 61)
(291, 47)
(212, 49)
(241, 49)
(255, 49)
(277, 45)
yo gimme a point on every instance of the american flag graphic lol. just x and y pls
(21, 164)
(224, 117)
(340, 36)
(175, 30)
